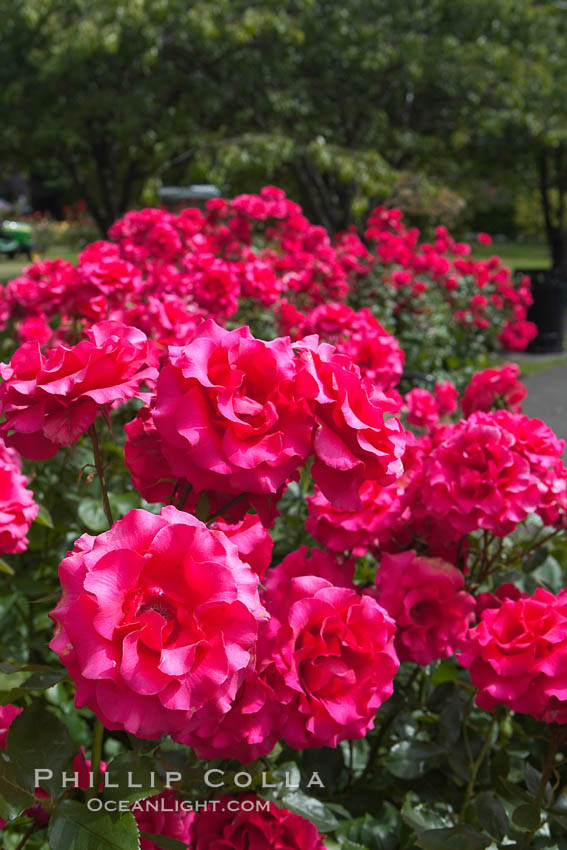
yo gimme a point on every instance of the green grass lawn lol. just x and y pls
(12, 268)
(518, 255)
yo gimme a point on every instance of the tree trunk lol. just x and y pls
(553, 190)
(557, 241)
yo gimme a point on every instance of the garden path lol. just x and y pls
(547, 398)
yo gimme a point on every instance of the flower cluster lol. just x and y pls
(325, 663)
(164, 273)
(481, 294)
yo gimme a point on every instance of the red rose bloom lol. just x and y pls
(157, 623)
(230, 412)
(517, 656)
(236, 824)
(354, 441)
(50, 401)
(494, 388)
(331, 662)
(425, 597)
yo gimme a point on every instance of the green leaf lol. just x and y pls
(412, 759)
(355, 755)
(43, 680)
(164, 843)
(13, 798)
(121, 503)
(347, 844)
(74, 827)
(38, 741)
(130, 769)
(550, 574)
(312, 809)
(447, 671)
(462, 837)
(526, 817)
(420, 816)
(10, 686)
(375, 833)
(44, 517)
(91, 513)
(491, 815)
(6, 568)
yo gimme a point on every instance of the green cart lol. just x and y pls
(16, 238)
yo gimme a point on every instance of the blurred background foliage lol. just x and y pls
(455, 110)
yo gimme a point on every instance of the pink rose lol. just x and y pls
(230, 412)
(155, 481)
(8, 714)
(162, 815)
(495, 600)
(237, 825)
(345, 530)
(422, 408)
(494, 388)
(17, 507)
(304, 562)
(516, 334)
(480, 474)
(252, 540)
(517, 656)
(425, 598)
(50, 401)
(157, 623)
(215, 283)
(249, 730)
(446, 395)
(354, 441)
(332, 661)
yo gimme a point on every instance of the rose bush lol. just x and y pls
(276, 591)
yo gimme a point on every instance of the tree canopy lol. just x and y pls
(341, 103)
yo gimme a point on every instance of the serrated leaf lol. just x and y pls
(347, 844)
(420, 816)
(73, 827)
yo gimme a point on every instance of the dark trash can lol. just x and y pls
(548, 310)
